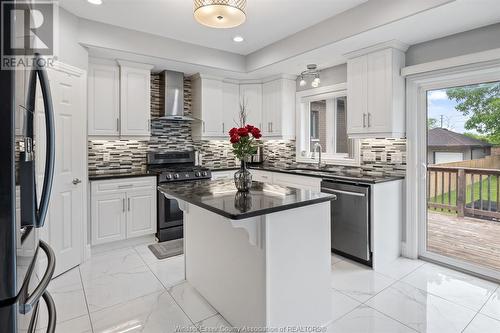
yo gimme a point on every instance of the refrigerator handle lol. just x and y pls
(31, 301)
(52, 315)
(50, 146)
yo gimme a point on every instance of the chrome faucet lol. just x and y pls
(316, 145)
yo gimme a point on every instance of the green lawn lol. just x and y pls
(453, 196)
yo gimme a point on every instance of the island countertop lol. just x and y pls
(221, 197)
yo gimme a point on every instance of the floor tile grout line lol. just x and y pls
(390, 317)
(86, 301)
(479, 311)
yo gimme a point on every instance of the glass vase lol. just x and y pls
(243, 178)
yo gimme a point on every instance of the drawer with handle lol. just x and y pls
(115, 185)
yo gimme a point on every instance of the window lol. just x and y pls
(323, 125)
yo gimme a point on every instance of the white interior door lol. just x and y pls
(64, 225)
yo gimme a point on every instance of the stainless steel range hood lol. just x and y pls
(172, 85)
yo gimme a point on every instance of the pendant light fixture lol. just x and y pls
(220, 13)
(311, 71)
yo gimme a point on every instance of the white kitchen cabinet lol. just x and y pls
(278, 108)
(303, 182)
(262, 176)
(135, 99)
(251, 93)
(220, 175)
(122, 209)
(376, 93)
(231, 105)
(108, 218)
(103, 100)
(119, 99)
(207, 105)
(141, 210)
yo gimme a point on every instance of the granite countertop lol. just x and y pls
(117, 175)
(349, 176)
(222, 198)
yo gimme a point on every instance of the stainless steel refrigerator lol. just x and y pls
(24, 202)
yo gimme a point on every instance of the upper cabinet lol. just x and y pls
(251, 95)
(270, 106)
(278, 108)
(119, 99)
(376, 92)
(207, 105)
(103, 100)
(135, 99)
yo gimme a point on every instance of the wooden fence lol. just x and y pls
(466, 191)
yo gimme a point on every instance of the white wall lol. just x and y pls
(69, 51)
(471, 41)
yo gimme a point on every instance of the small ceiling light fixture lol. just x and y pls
(238, 39)
(220, 13)
(311, 71)
(95, 2)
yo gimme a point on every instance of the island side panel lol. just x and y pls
(224, 266)
(298, 261)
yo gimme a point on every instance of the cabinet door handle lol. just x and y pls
(203, 127)
(118, 124)
(123, 204)
(271, 126)
(223, 128)
(364, 120)
(128, 204)
(126, 186)
(369, 116)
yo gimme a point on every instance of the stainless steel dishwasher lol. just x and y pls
(350, 218)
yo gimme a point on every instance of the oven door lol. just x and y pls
(170, 219)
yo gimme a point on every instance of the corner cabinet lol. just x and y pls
(122, 209)
(376, 92)
(270, 105)
(119, 99)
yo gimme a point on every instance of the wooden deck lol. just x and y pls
(473, 240)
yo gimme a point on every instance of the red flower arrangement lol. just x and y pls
(244, 140)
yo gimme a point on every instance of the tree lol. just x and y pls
(432, 123)
(481, 103)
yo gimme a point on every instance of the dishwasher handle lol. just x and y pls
(328, 190)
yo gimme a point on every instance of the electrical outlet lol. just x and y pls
(369, 156)
(397, 158)
(106, 157)
(224, 153)
(383, 156)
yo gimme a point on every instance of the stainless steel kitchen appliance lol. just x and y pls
(24, 203)
(350, 218)
(173, 166)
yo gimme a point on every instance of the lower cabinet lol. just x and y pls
(122, 209)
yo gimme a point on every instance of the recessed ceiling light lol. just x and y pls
(238, 39)
(95, 2)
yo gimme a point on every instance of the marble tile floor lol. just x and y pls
(129, 290)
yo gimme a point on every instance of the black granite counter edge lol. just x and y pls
(108, 176)
(332, 177)
(242, 216)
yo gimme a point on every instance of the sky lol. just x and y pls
(438, 104)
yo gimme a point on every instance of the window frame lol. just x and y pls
(303, 127)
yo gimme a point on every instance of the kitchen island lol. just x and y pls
(262, 258)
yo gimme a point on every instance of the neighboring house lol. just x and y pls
(445, 146)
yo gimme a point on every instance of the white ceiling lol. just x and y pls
(267, 20)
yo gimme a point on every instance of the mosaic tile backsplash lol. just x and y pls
(379, 156)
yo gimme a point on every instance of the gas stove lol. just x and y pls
(176, 166)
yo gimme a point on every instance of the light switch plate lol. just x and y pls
(369, 156)
(383, 156)
(106, 157)
(397, 158)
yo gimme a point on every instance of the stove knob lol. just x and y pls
(176, 176)
(168, 176)
(197, 174)
(204, 173)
